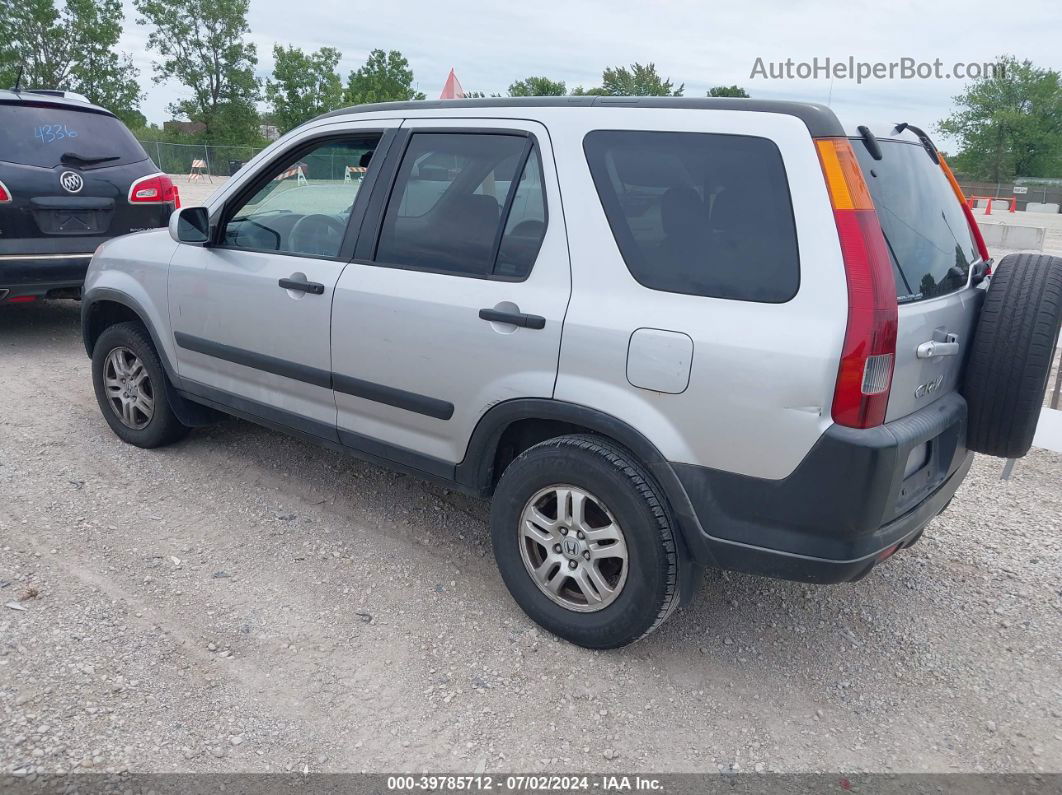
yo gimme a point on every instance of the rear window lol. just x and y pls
(699, 213)
(925, 227)
(40, 136)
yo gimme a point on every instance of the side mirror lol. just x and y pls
(190, 225)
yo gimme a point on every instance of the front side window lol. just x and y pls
(698, 213)
(468, 204)
(304, 205)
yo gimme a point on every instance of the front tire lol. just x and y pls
(132, 389)
(585, 543)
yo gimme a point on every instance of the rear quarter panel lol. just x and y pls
(762, 375)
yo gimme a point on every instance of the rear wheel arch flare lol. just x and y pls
(532, 420)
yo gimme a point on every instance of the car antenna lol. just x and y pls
(18, 79)
(927, 143)
(869, 141)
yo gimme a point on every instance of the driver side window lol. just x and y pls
(304, 204)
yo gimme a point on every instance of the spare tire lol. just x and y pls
(1013, 348)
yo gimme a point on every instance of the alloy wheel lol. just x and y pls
(573, 548)
(128, 388)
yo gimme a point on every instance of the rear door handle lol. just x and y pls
(313, 288)
(948, 346)
(515, 318)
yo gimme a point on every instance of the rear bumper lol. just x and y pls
(847, 506)
(41, 274)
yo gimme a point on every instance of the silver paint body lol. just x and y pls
(738, 386)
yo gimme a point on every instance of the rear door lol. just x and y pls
(933, 254)
(457, 294)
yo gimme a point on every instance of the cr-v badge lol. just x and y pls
(928, 389)
(71, 181)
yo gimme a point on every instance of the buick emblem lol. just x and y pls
(71, 182)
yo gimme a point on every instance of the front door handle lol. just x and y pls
(313, 288)
(515, 318)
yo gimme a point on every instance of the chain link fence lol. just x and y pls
(1047, 192)
(212, 159)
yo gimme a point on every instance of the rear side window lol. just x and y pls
(925, 227)
(526, 225)
(464, 202)
(50, 136)
(699, 213)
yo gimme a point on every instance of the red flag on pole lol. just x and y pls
(452, 89)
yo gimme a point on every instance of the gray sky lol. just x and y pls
(699, 43)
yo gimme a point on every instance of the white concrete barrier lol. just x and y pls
(992, 233)
(1040, 207)
(1023, 237)
(1013, 236)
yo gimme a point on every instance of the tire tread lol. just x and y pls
(1012, 354)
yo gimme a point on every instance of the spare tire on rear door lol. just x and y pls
(1013, 348)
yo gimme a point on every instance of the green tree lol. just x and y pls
(385, 77)
(1009, 123)
(596, 91)
(203, 46)
(638, 81)
(72, 49)
(303, 86)
(728, 91)
(538, 87)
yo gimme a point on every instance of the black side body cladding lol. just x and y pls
(259, 361)
(410, 401)
(399, 398)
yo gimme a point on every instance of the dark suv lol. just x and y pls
(71, 177)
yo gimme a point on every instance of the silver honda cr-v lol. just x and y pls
(659, 333)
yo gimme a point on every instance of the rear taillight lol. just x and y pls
(975, 230)
(868, 355)
(5, 194)
(154, 189)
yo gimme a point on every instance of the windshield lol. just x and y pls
(925, 227)
(41, 136)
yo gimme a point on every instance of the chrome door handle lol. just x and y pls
(927, 350)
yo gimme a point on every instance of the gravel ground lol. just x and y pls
(246, 602)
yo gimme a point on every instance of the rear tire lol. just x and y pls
(132, 388)
(619, 581)
(1013, 348)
